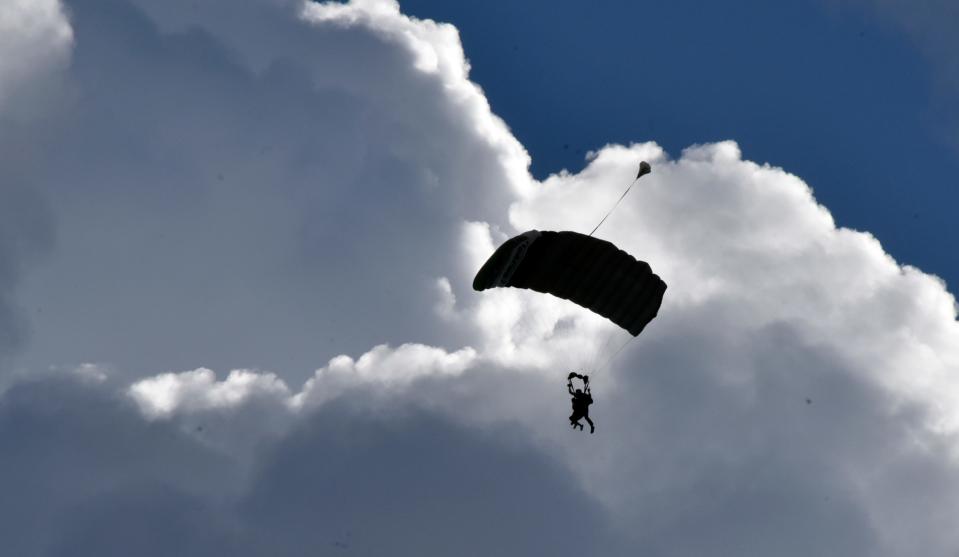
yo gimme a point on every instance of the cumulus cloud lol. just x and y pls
(198, 390)
(84, 475)
(300, 183)
(258, 192)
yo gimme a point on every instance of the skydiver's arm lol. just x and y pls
(569, 386)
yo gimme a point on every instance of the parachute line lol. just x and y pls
(613, 357)
(644, 169)
(613, 208)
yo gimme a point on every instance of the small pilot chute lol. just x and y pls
(644, 169)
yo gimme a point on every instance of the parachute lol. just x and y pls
(588, 271)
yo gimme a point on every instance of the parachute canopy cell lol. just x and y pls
(585, 270)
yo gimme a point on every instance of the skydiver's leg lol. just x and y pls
(592, 428)
(574, 420)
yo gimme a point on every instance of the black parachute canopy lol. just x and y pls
(588, 271)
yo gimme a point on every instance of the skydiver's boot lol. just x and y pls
(574, 420)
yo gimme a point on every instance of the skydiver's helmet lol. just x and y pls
(579, 391)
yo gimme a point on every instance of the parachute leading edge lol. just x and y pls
(588, 271)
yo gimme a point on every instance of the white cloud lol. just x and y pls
(722, 230)
(254, 229)
(198, 390)
(387, 370)
(778, 305)
(297, 183)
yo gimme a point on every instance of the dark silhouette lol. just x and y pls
(581, 401)
(585, 270)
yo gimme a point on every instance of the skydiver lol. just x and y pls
(581, 401)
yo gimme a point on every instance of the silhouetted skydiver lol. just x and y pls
(581, 401)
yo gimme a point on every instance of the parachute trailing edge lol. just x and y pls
(588, 271)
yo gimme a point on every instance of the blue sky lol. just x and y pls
(237, 243)
(829, 91)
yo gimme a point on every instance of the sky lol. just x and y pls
(237, 242)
